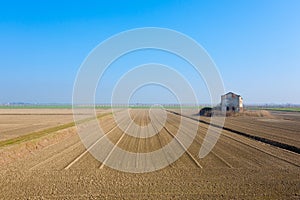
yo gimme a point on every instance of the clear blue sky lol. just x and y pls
(254, 43)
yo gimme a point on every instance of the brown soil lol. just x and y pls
(236, 168)
(252, 113)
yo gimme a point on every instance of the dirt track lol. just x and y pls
(237, 167)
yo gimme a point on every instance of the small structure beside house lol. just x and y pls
(231, 102)
(206, 111)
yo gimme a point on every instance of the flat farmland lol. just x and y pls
(18, 122)
(238, 167)
(280, 126)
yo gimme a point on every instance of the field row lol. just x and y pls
(231, 151)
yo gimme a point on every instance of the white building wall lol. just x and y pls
(231, 102)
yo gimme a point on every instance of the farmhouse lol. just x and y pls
(231, 102)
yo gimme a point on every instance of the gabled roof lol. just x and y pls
(231, 93)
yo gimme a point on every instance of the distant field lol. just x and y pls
(286, 109)
(17, 122)
(34, 106)
(297, 109)
(46, 106)
(96, 106)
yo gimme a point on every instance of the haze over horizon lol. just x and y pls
(255, 45)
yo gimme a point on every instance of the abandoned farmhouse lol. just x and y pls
(231, 102)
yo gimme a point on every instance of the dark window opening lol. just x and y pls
(227, 108)
(233, 108)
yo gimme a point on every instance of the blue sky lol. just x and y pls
(254, 43)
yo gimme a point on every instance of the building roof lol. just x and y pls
(231, 93)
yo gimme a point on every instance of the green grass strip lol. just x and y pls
(38, 134)
(286, 109)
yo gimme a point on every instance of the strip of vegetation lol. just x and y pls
(286, 109)
(96, 106)
(35, 106)
(38, 134)
(34, 135)
(166, 107)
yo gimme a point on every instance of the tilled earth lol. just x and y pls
(236, 168)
